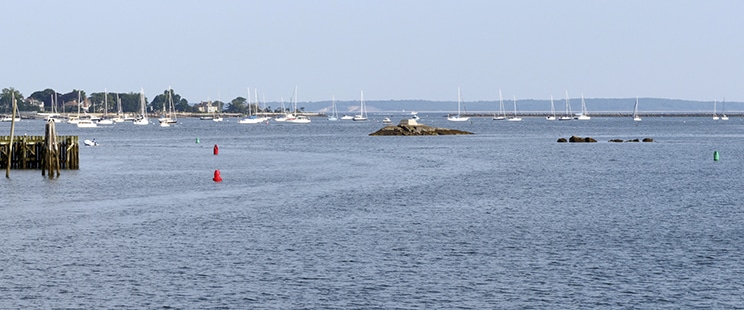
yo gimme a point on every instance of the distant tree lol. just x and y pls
(102, 103)
(44, 96)
(68, 102)
(6, 99)
(130, 102)
(237, 105)
(219, 104)
(160, 100)
(184, 106)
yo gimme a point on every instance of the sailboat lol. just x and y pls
(636, 117)
(85, 121)
(566, 115)
(723, 116)
(75, 119)
(105, 120)
(252, 118)
(169, 111)
(54, 116)
(293, 117)
(457, 117)
(216, 117)
(119, 114)
(142, 119)
(362, 116)
(283, 117)
(502, 114)
(715, 116)
(334, 112)
(583, 116)
(515, 118)
(552, 110)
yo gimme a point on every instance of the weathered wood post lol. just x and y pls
(51, 150)
(12, 131)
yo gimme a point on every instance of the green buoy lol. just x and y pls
(715, 156)
(197, 140)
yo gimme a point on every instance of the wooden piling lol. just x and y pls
(12, 132)
(50, 158)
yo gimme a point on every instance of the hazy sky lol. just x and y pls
(390, 49)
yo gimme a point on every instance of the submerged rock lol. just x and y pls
(580, 139)
(409, 127)
(590, 139)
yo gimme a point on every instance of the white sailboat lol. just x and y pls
(567, 114)
(502, 113)
(216, 117)
(457, 117)
(105, 120)
(54, 116)
(334, 111)
(82, 121)
(551, 117)
(723, 111)
(362, 116)
(252, 118)
(293, 117)
(142, 119)
(636, 117)
(75, 119)
(283, 116)
(584, 115)
(515, 118)
(164, 120)
(119, 118)
(715, 116)
(169, 111)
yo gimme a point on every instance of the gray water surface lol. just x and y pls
(324, 216)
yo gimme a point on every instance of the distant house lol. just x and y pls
(206, 107)
(35, 103)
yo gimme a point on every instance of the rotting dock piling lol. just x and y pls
(29, 152)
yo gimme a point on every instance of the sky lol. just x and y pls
(390, 49)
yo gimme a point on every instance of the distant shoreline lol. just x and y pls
(616, 114)
(432, 113)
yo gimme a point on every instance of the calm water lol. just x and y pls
(324, 216)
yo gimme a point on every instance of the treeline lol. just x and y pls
(48, 100)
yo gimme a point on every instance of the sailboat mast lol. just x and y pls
(458, 101)
(552, 106)
(501, 104)
(249, 101)
(105, 102)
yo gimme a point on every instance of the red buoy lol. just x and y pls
(216, 150)
(217, 177)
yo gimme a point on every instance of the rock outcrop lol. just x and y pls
(590, 139)
(409, 127)
(580, 139)
(633, 140)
